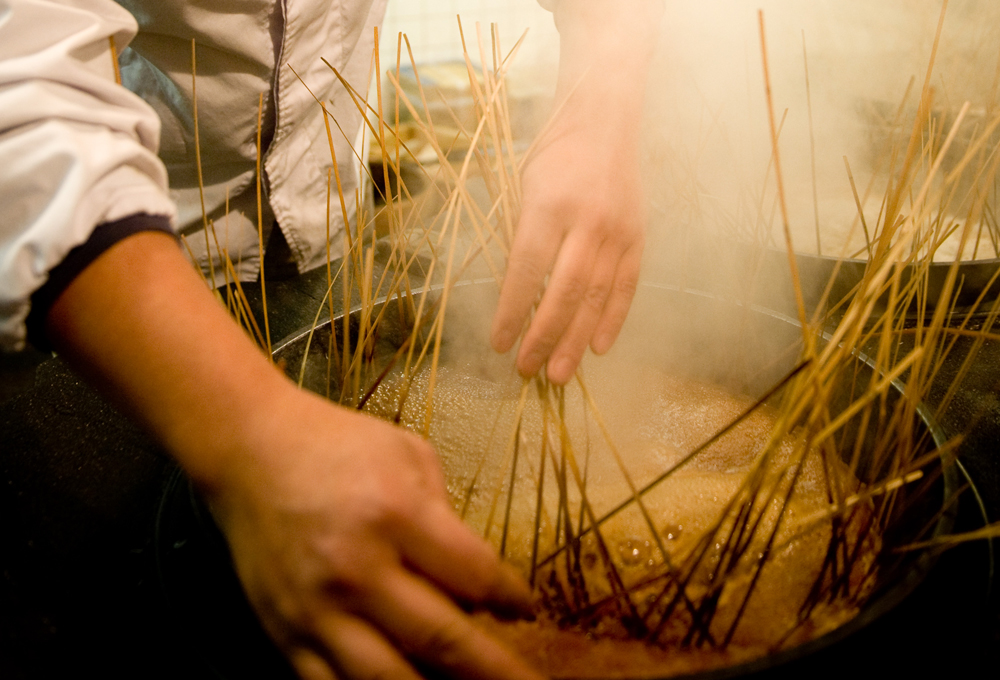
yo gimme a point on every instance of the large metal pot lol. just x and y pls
(697, 334)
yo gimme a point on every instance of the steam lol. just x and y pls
(708, 139)
(708, 150)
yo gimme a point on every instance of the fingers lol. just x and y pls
(431, 630)
(443, 549)
(531, 258)
(309, 665)
(585, 303)
(570, 312)
(619, 301)
(592, 267)
(354, 650)
(403, 616)
(568, 285)
(408, 617)
(429, 464)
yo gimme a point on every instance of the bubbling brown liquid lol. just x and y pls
(702, 620)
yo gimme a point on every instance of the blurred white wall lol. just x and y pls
(433, 30)
(708, 116)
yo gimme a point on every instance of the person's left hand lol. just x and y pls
(582, 227)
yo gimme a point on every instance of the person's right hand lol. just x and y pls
(347, 547)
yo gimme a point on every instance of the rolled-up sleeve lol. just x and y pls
(76, 149)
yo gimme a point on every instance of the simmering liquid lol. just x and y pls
(726, 559)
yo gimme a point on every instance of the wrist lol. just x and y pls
(605, 53)
(627, 29)
(141, 325)
(216, 432)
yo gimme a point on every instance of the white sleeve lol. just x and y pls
(76, 149)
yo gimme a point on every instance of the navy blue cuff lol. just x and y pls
(78, 259)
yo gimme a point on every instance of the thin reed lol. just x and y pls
(818, 459)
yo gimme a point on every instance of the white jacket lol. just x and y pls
(76, 150)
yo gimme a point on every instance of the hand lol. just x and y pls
(582, 215)
(583, 226)
(339, 524)
(346, 545)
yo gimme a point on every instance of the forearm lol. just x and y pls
(607, 44)
(606, 48)
(141, 324)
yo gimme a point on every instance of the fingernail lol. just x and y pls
(560, 371)
(529, 365)
(502, 336)
(502, 340)
(602, 343)
(519, 601)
